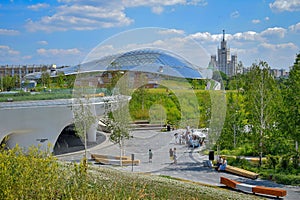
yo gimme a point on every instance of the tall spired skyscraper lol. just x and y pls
(225, 63)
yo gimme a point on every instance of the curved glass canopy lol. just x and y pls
(155, 61)
(142, 60)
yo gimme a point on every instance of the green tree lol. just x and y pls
(291, 115)
(84, 116)
(8, 83)
(45, 78)
(262, 100)
(119, 122)
(60, 81)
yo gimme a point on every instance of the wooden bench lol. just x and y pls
(94, 156)
(253, 188)
(269, 191)
(241, 172)
(114, 160)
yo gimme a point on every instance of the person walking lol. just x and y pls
(175, 156)
(150, 156)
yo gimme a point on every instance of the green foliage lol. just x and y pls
(291, 93)
(38, 175)
(35, 175)
(9, 83)
(272, 161)
(285, 162)
(296, 160)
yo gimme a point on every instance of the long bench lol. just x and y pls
(253, 188)
(94, 156)
(241, 172)
(114, 160)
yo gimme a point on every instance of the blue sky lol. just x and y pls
(63, 32)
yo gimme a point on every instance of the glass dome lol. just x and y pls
(142, 60)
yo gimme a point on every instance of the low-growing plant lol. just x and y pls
(39, 175)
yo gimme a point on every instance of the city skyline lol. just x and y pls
(63, 32)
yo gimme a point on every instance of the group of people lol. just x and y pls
(173, 155)
(221, 163)
(188, 138)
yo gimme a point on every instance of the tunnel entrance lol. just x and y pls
(68, 141)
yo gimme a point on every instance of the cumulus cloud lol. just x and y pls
(284, 5)
(295, 28)
(91, 14)
(276, 31)
(8, 50)
(39, 6)
(9, 32)
(61, 52)
(171, 31)
(206, 36)
(80, 17)
(273, 47)
(248, 36)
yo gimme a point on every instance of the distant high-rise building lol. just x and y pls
(224, 63)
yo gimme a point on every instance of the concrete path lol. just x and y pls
(189, 165)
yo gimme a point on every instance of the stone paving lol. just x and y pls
(189, 165)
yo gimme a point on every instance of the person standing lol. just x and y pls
(150, 156)
(171, 154)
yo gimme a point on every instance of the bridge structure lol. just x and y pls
(40, 123)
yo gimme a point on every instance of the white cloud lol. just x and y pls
(274, 47)
(206, 36)
(247, 36)
(42, 42)
(267, 18)
(295, 28)
(276, 31)
(91, 14)
(38, 6)
(235, 14)
(60, 52)
(284, 5)
(8, 54)
(171, 31)
(80, 17)
(8, 32)
(255, 21)
(151, 3)
(157, 9)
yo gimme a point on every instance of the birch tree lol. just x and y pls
(262, 97)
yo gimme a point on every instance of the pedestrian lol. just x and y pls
(171, 154)
(175, 156)
(176, 137)
(150, 156)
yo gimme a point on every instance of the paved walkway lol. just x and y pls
(189, 165)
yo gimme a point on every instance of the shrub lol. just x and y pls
(272, 161)
(285, 162)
